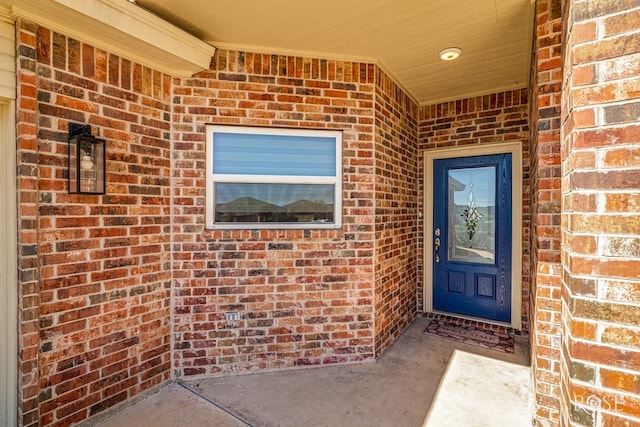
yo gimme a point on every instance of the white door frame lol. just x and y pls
(515, 148)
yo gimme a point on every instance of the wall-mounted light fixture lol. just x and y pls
(450, 53)
(87, 161)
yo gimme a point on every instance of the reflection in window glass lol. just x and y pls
(274, 203)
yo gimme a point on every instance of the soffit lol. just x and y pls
(404, 37)
(120, 27)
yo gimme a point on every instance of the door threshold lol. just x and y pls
(460, 319)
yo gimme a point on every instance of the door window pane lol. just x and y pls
(471, 199)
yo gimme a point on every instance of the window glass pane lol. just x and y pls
(254, 154)
(471, 199)
(253, 203)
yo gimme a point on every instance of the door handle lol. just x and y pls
(436, 245)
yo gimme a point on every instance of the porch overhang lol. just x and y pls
(121, 27)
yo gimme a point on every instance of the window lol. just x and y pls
(273, 178)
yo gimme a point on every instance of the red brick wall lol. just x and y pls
(488, 119)
(395, 211)
(545, 209)
(27, 197)
(601, 215)
(97, 272)
(94, 270)
(304, 297)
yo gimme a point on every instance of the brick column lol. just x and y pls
(545, 210)
(27, 197)
(601, 215)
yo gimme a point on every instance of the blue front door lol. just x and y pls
(472, 236)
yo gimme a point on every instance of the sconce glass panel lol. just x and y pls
(87, 160)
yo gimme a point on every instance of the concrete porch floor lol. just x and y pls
(398, 389)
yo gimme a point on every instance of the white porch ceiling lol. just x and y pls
(402, 36)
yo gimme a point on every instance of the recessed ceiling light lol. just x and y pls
(450, 53)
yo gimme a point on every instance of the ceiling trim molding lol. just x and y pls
(475, 94)
(397, 81)
(319, 55)
(292, 52)
(123, 28)
(5, 16)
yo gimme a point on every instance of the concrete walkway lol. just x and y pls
(480, 391)
(396, 390)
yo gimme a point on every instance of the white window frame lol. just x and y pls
(212, 178)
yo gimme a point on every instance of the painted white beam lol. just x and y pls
(123, 28)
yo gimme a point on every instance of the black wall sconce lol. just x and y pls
(87, 161)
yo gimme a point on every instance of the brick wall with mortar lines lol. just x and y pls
(488, 119)
(601, 215)
(27, 197)
(305, 297)
(396, 210)
(95, 270)
(546, 273)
